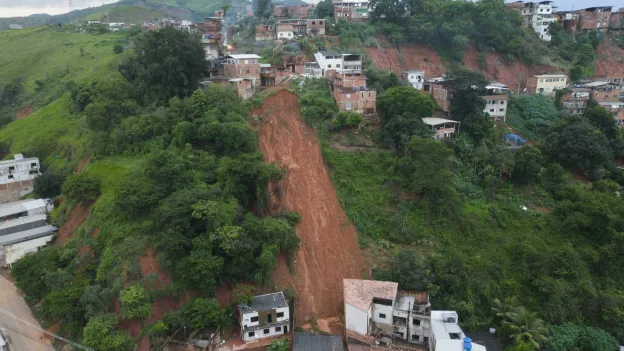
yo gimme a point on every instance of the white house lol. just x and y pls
(442, 128)
(267, 316)
(328, 60)
(415, 78)
(367, 302)
(446, 335)
(539, 15)
(17, 176)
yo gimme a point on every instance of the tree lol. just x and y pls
(48, 184)
(118, 48)
(567, 337)
(166, 63)
(390, 9)
(264, 9)
(203, 313)
(324, 9)
(465, 88)
(135, 303)
(398, 131)
(527, 165)
(602, 119)
(243, 294)
(167, 169)
(100, 334)
(399, 100)
(279, 345)
(479, 127)
(81, 187)
(526, 328)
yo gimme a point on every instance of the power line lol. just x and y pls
(45, 331)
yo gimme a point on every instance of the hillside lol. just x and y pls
(128, 14)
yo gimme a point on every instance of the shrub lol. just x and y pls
(347, 120)
(81, 187)
(48, 184)
(118, 48)
(135, 303)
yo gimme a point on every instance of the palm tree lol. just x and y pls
(527, 328)
(279, 345)
(505, 310)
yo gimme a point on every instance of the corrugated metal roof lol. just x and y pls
(11, 208)
(315, 342)
(27, 235)
(267, 302)
(244, 56)
(434, 121)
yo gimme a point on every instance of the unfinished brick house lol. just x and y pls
(352, 99)
(315, 27)
(440, 94)
(285, 31)
(243, 71)
(292, 11)
(350, 79)
(568, 20)
(298, 25)
(617, 20)
(271, 76)
(212, 37)
(575, 100)
(265, 32)
(604, 91)
(294, 63)
(594, 18)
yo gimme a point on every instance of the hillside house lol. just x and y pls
(267, 316)
(23, 228)
(351, 10)
(332, 60)
(616, 78)
(440, 94)
(350, 79)
(271, 76)
(242, 66)
(312, 69)
(212, 36)
(617, 20)
(575, 100)
(442, 128)
(594, 18)
(299, 26)
(17, 177)
(265, 32)
(415, 78)
(568, 20)
(617, 108)
(356, 99)
(301, 11)
(315, 27)
(293, 63)
(316, 342)
(496, 101)
(546, 83)
(285, 31)
(536, 15)
(447, 335)
(604, 91)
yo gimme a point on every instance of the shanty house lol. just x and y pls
(594, 18)
(575, 100)
(356, 99)
(265, 32)
(267, 316)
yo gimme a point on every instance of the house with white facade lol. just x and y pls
(267, 316)
(539, 15)
(332, 60)
(415, 78)
(442, 128)
(496, 101)
(23, 228)
(446, 335)
(17, 177)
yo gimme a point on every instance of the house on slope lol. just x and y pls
(546, 83)
(446, 335)
(442, 128)
(416, 78)
(267, 316)
(496, 101)
(17, 177)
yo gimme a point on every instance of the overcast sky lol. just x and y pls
(12, 8)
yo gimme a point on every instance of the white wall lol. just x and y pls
(286, 312)
(285, 35)
(21, 170)
(326, 64)
(14, 252)
(259, 334)
(356, 319)
(387, 310)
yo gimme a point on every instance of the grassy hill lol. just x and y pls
(128, 14)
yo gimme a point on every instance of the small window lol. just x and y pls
(278, 329)
(280, 314)
(503, 102)
(348, 96)
(320, 22)
(34, 164)
(254, 319)
(252, 334)
(266, 331)
(426, 339)
(10, 176)
(338, 66)
(313, 22)
(382, 316)
(328, 66)
(11, 168)
(415, 337)
(415, 321)
(491, 110)
(501, 110)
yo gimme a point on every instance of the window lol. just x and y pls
(501, 110)
(320, 22)
(252, 334)
(382, 316)
(10, 176)
(400, 334)
(491, 110)
(278, 329)
(11, 168)
(348, 106)
(426, 339)
(254, 319)
(313, 22)
(338, 66)
(34, 164)
(502, 102)
(415, 321)
(328, 66)
(415, 337)
(348, 96)
(266, 331)
(280, 314)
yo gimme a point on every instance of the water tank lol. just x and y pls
(18, 156)
(467, 344)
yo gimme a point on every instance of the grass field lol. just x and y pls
(128, 14)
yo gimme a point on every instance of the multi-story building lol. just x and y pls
(593, 18)
(351, 10)
(265, 32)
(574, 100)
(568, 20)
(332, 60)
(17, 177)
(285, 31)
(299, 26)
(242, 71)
(353, 99)
(212, 37)
(415, 78)
(496, 101)
(442, 128)
(267, 316)
(539, 15)
(440, 94)
(546, 83)
(617, 20)
(315, 27)
(292, 11)
(447, 334)
(604, 91)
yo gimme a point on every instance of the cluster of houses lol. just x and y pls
(23, 223)
(288, 29)
(539, 16)
(377, 315)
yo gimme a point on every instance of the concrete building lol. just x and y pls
(604, 91)
(315, 27)
(212, 37)
(299, 26)
(359, 100)
(411, 317)
(267, 316)
(312, 69)
(539, 16)
(351, 10)
(496, 101)
(617, 108)
(442, 128)
(285, 31)
(17, 177)
(301, 11)
(23, 228)
(593, 18)
(574, 100)
(546, 83)
(265, 32)
(447, 335)
(332, 60)
(617, 20)
(415, 78)
(568, 20)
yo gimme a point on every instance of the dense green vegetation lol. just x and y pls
(184, 178)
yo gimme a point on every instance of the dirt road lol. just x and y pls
(329, 249)
(22, 336)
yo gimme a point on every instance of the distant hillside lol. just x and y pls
(129, 14)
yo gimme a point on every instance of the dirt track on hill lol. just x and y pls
(329, 249)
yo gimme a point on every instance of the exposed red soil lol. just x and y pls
(329, 248)
(52, 329)
(414, 57)
(24, 112)
(81, 165)
(223, 294)
(610, 60)
(78, 215)
(150, 265)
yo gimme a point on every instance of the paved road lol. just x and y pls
(23, 337)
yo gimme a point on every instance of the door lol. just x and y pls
(285, 329)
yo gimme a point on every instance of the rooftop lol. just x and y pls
(360, 293)
(495, 97)
(23, 223)
(27, 235)
(415, 71)
(244, 56)
(434, 121)
(550, 76)
(580, 90)
(420, 297)
(268, 302)
(611, 103)
(11, 208)
(329, 53)
(597, 84)
(315, 342)
(18, 158)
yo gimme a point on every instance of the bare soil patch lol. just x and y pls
(77, 216)
(24, 112)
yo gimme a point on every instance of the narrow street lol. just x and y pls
(22, 336)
